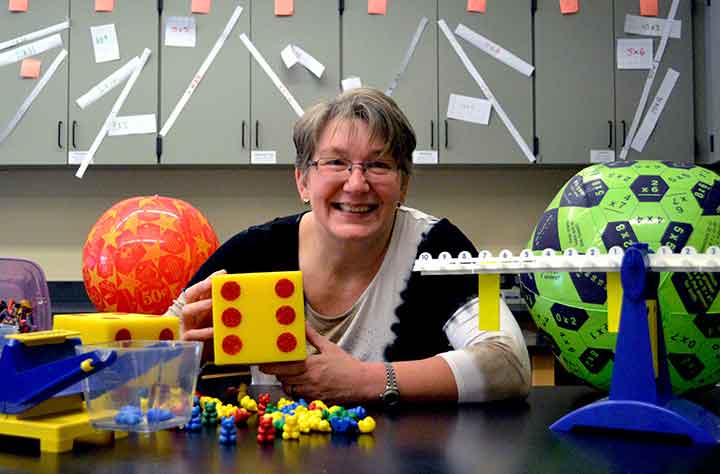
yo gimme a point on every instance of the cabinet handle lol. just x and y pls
(610, 133)
(624, 124)
(243, 134)
(432, 134)
(446, 134)
(257, 134)
(60, 123)
(74, 127)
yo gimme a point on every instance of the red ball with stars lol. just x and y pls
(142, 251)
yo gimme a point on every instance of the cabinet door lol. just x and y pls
(136, 27)
(40, 138)
(508, 24)
(213, 127)
(673, 138)
(314, 27)
(574, 96)
(374, 47)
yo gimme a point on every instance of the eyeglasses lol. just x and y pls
(340, 167)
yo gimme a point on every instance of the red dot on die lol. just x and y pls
(286, 342)
(230, 290)
(166, 335)
(231, 317)
(285, 314)
(284, 288)
(123, 335)
(232, 344)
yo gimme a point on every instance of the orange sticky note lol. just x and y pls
(30, 68)
(477, 6)
(284, 7)
(377, 7)
(104, 5)
(18, 5)
(201, 6)
(568, 7)
(649, 7)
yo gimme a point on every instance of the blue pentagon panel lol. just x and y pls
(619, 234)
(679, 165)
(680, 206)
(649, 188)
(708, 196)
(595, 359)
(578, 230)
(619, 204)
(619, 164)
(568, 317)
(688, 366)
(546, 232)
(676, 235)
(591, 287)
(528, 288)
(581, 193)
(697, 291)
(709, 325)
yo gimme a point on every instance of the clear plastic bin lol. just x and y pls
(149, 386)
(24, 295)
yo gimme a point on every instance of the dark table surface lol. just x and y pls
(508, 437)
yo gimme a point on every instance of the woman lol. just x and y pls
(356, 247)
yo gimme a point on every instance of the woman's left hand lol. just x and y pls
(332, 375)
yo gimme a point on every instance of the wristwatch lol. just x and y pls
(391, 395)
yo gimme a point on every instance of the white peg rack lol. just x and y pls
(688, 260)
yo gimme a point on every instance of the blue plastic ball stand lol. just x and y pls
(638, 402)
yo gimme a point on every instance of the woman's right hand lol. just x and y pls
(197, 312)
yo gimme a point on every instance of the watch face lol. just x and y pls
(390, 397)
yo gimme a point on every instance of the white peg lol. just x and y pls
(571, 252)
(713, 250)
(444, 256)
(464, 255)
(505, 254)
(548, 253)
(615, 251)
(526, 253)
(425, 256)
(664, 250)
(484, 255)
(593, 251)
(689, 250)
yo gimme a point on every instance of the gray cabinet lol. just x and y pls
(40, 138)
(673, 138)
(707, 80)
(315, 28)
(136, 25)
(214, 125)
(509, 25)
(374, 47)
(574, 91)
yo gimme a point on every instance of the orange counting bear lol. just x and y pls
(258, 318)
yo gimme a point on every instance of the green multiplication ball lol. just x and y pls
(618, 204)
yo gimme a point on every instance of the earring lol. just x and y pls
(306, 201)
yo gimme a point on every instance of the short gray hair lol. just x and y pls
(382, 115)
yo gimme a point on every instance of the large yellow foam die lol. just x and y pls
(258, 318)
(103, 327)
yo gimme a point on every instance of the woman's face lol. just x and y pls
(358, 205)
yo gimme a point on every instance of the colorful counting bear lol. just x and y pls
(258, 318)
(103, 327)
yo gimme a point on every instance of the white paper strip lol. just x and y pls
(32, 49)
(133, 125)
(76, 157)
(113, 113)
(486, 91)
(656, 107)
(408, 55)
(33, 95)
(105, 43)
(288, 56)
(634, 53)
(108, 84)
(469, 109)
(201, 72)
(180, 31)
(650, 78)
(649, 26)
(271, 74)
(292, 54)
(35, 35)
(351, 83)
(494, 50)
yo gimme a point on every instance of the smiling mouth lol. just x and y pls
(358, 209)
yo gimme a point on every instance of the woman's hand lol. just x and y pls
(197, 312)
(333, 375)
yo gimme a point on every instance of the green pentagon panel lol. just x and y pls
(591, 172)
(705, 175)
(556, 287)
(680, 179)
(569, 342)
(619, 178)
(595, 331)
(618, 205)
(577, 229)
(649, 222)
(649, 167)
(681, 335)
(706, 233)
(681, 206)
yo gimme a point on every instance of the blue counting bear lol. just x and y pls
(228, 431)
(357, 413)
(340, 424)
(194, 424)
(128, 415)
(157, 415)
